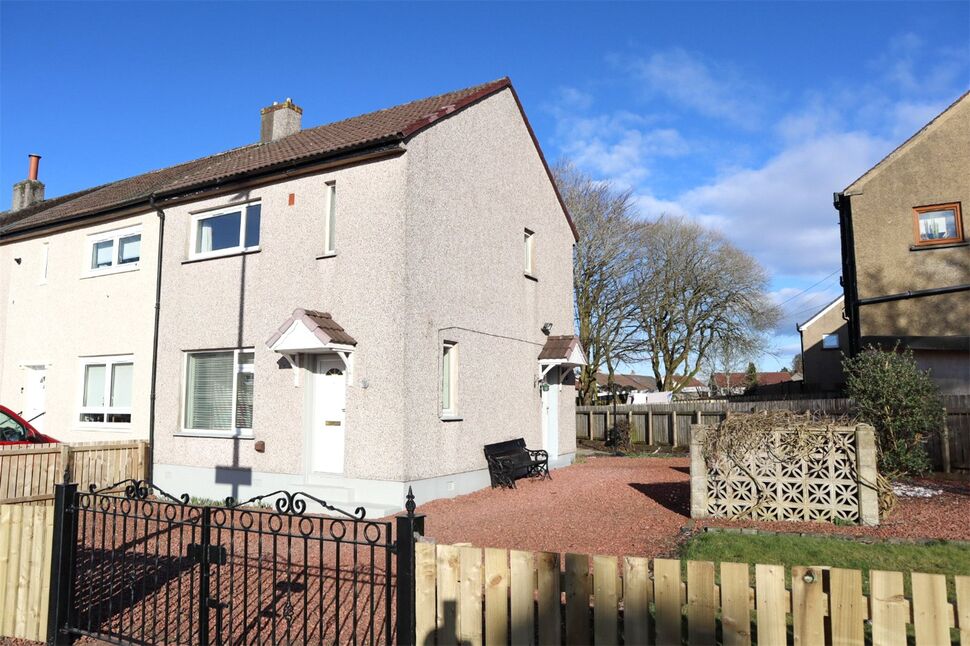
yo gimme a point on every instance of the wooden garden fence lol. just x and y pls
(669, 424)
(466, 596)
(28, 473)
(26, 539)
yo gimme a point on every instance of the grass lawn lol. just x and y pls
(936, 558)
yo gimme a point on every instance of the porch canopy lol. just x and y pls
(310, 332)
(564, 351)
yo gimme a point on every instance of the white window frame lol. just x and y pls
(245, 433)
(243, 208)
(115, 236)
(451, 410)
(106, 409)
(838, 341)
(330, 221)
(45, 255)
(529, 241)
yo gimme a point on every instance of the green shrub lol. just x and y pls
(902, 403)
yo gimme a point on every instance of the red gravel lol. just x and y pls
(619, 506)
(639, 507)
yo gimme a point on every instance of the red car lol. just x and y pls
(14, 429)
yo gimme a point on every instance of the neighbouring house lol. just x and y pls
(906, 253)
(692, 388)
(736, 383)
(629, 387)
(349, 309)
(825, 337)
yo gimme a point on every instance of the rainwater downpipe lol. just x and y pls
(150, 467)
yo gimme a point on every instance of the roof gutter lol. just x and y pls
(371, 150)
(150, 467)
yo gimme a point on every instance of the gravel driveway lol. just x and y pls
(638, 507)
(606, 505)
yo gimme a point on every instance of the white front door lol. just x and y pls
(550, 413)
(327, 428)
(35, 396)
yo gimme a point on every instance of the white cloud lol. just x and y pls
(781, 212)
(620, 145)
(714, 90)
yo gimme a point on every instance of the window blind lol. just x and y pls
(209, 391)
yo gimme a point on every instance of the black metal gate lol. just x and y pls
(133, 564)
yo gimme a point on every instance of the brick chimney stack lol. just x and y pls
(280, 120)
(29, 191)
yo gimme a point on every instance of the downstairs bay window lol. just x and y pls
(219, 393)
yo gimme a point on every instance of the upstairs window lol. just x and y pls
(529, 244)
(830, 341)
(113, 251)
(938, 224)
(225, 232)
(106, 391)
(330, 224)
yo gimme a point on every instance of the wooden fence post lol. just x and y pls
(650, 427)
(945, 441)
(66, 463)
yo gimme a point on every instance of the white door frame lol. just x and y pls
(549, 410)
(31, 382)
(318, 366)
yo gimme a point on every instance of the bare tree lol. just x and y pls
(696, 289)
(603, 272)
(730, 356)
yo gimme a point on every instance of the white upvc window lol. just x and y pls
(106, 383)
(449, 379)
(529, 243)
(110, 252)
(225, 231)
(330, 224)
(45, 252)
(219, 393)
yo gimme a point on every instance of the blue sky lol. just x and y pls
(746, 116)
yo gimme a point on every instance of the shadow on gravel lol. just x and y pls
(675, 496)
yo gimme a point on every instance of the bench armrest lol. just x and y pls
(501, 463)
(538, 454)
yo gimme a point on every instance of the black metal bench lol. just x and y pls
(510, 460)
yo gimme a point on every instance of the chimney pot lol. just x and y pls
(280, 120)
(34, 165)
(29, 191)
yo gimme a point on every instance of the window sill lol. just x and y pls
(531, 276)
(115, 428)
(329, 254)
(215, 256)
(110, 271)
(452, 418)
(221, 435)
(948, 245)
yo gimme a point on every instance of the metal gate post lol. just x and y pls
(62, 565)
(204, 576)
(409, 527)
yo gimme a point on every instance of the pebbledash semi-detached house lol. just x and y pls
(347, 310)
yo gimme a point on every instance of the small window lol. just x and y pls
(529, 239)
(449, 358)
(830, 341)
(330, 225)
(106, 391)
(45, 251)
(938, 224)
(113, 251)
(219, 392)
(226, 232)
